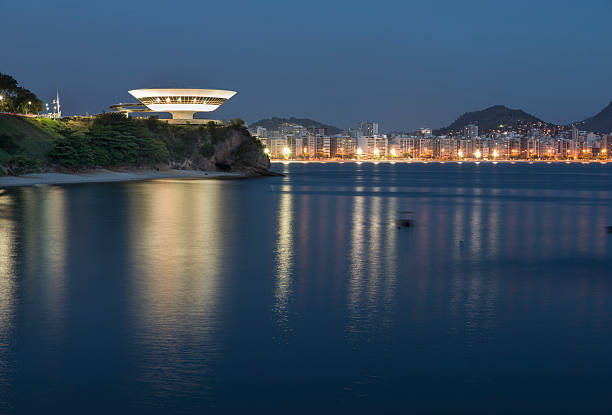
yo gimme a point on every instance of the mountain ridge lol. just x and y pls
(598, 123)
(273, 123)
(491, 118)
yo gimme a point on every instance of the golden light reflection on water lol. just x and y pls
(284, 257)
(477, 230)
(45, 231)
(372, 264)
(41, 213)
(374, 252)
(7, 263)
(357, 261)
(493, 223)
(392, 257)
(175, 257)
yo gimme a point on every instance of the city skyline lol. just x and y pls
(525, 141)
(422, 65)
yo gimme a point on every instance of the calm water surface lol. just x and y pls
(298, 294)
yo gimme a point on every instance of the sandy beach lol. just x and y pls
(102, 175)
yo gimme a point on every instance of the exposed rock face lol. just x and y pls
(241, 152)
(237, 152)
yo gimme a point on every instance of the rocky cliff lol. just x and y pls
(241, 152)
(238, 152)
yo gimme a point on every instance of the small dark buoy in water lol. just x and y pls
(609, 229)
(404, 220)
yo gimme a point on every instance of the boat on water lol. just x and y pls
(405, 219)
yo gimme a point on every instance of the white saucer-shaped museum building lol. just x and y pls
(182, 103)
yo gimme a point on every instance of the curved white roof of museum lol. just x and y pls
(182, 103)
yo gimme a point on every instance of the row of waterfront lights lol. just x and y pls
(376, 152)
(286, 151)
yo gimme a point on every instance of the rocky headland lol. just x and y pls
(88, 147)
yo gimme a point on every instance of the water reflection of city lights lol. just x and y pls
(284, 256)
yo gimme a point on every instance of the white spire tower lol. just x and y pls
(58, 111)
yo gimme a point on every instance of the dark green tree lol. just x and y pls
(16, 98)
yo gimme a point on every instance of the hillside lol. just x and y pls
(274, 122)
(112, 140)
(600, 123)
(491, 118)
(25, 135)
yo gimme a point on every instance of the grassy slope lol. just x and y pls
(35, 136)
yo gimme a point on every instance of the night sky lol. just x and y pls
(405, 64)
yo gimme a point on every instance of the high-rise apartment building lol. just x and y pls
(575, 133)
(470, 131)
(367, 128)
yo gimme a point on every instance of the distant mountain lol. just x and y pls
(274, 122)
(491, 118)
(600, 123)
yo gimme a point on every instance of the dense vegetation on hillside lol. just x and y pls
(274, 122)
(112, 140)
(14, 98)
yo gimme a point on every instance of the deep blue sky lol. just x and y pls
(405, 64)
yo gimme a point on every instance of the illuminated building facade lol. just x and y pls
(182, 103)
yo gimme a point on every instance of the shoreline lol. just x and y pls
(425, 161)
(107, 176)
